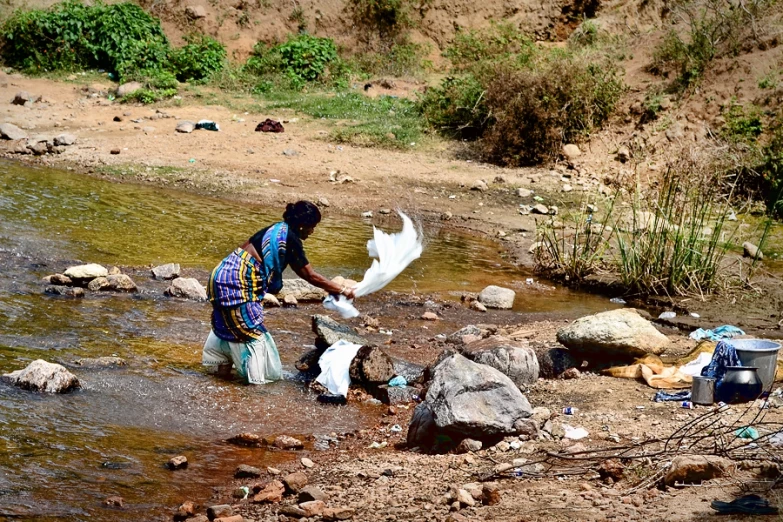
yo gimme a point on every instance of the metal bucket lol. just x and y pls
(760, 353)
(703, 390)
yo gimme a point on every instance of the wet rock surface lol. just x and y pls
(43, 376)
(328, 331)
(188, 288)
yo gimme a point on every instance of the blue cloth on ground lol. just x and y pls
(663, 396)
(398, 382)
(726, 331)
(724, 355)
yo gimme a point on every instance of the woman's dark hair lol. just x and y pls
(302, 214)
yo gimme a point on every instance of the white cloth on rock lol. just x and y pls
(392, 253)
(335, 364)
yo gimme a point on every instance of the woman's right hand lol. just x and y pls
(350, 293)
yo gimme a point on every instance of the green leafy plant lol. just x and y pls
(120, 38)
(458, 107)
(742, 125)
(305, 58)
(498, 42)
(201, 57)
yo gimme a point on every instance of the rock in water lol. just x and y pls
(616, 335)
(497, 297)
(188, 288)
(371, 365)
(329, 331)
(167, 271)
(301, 290)
(466, 400)
(86, 273)
(121, 283)
(43, 376)
(752, 251)
(514, 359)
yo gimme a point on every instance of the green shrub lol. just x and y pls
(742, 126)
(458, 107)
(499, 41)
(120, 38)
(200, 58)
(771, 170)
(148, 96)
(306, 57)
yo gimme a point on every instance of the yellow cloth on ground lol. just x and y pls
(658, 374)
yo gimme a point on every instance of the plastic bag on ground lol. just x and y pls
(392, 253)
(334, 363)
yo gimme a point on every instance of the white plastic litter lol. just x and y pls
(574, 433)
(334, 364)
(695, 366)
(392, 253)
(667, 315)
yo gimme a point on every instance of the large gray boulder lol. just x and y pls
(328, 331)
(497, 297)
(467, 400)
(43, 376)
(167, 271)
(9, 131)
(86, 273)
(301, 290)
(514, 359)
(187, 287)
(615, 335)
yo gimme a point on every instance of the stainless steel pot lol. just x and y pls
(703, 390)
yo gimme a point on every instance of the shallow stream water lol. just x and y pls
(62, 456)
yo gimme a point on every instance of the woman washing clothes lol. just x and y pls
(236, 290)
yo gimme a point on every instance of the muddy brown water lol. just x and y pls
(62, 456)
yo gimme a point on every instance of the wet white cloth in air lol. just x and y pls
(392, 253)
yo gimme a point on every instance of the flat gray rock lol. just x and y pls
(167, 271)
(187, 287)
(128, 88)
(64, 140)
(329, 331)
(86, 272)
(9, 131)
(301, 290)
(185, 127)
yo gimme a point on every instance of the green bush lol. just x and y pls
(458, 107)
(200, 58)
(771, 170)
(498, 42)
(302, 59)
(742, 126)
(120, 38)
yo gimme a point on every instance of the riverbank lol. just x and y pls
(139, 144)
